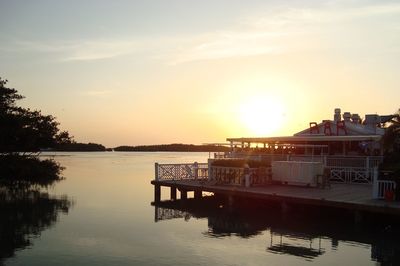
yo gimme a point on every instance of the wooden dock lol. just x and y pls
(355, 197)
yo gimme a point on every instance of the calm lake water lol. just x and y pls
(101, 214)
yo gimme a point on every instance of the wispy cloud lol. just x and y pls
(276, 31)
(95, 50)
(80, 50)
(97, 92)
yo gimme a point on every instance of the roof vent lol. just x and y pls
(356, 119)
(346, 116)
(337, 115)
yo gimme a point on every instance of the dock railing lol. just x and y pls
(343, 169)
(381, 187)
(182, 171)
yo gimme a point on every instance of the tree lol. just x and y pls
(391, 144)
(23, 133)
(24, 130)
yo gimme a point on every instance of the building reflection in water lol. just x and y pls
(25, 217)
(296, 230)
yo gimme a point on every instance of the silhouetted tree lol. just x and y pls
(24, 130)
(23, 133)
(391, 144)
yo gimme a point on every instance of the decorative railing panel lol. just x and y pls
(351, 175)
(235, 175)
(187, 171)
(227, 175)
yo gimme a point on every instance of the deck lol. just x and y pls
(355, 197)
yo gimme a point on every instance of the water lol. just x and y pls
(107, 219)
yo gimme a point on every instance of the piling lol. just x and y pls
(183, 194)
(173, 193)
(198, 194)
(157, 193)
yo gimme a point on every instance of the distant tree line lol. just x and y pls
(174, 147)
(76, 146)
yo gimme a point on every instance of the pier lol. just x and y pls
(194, 178)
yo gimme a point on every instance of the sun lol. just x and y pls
(261, 116)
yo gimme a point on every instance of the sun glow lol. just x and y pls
(261, 116)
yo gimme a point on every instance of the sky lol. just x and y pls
(180, 71)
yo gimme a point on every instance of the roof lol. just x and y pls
(351, 129)
(307, 138)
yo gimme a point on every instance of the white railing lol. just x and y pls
(343, 169)
(351, 175)
(185, 171)
(381, 187)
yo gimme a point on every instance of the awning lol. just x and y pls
(306, 139)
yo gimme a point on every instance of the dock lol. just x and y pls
(230, 182)
(354, 197)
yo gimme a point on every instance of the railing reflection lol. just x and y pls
(297, 232)
(281, 244)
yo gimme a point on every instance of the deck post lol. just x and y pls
(173, 193)
(157, 193)
(247, 180)
(156, 218)
(196, 170)
(156, 171)
(183, 194)
(198, 194)
(375, 186)
(210, 176)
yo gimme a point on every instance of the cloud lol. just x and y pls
(275, 31)
(95, 50)
(228, 44)
(80, 50)
(97, 93)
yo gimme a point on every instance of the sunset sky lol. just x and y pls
(150, 72)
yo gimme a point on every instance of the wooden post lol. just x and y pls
(247, 180)
(183, 194)
(157, 193)
(156, 218)
(196, 170)
(198, 194)
(375, 185)
(156, 171)
(210, 174)
(173, 193)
